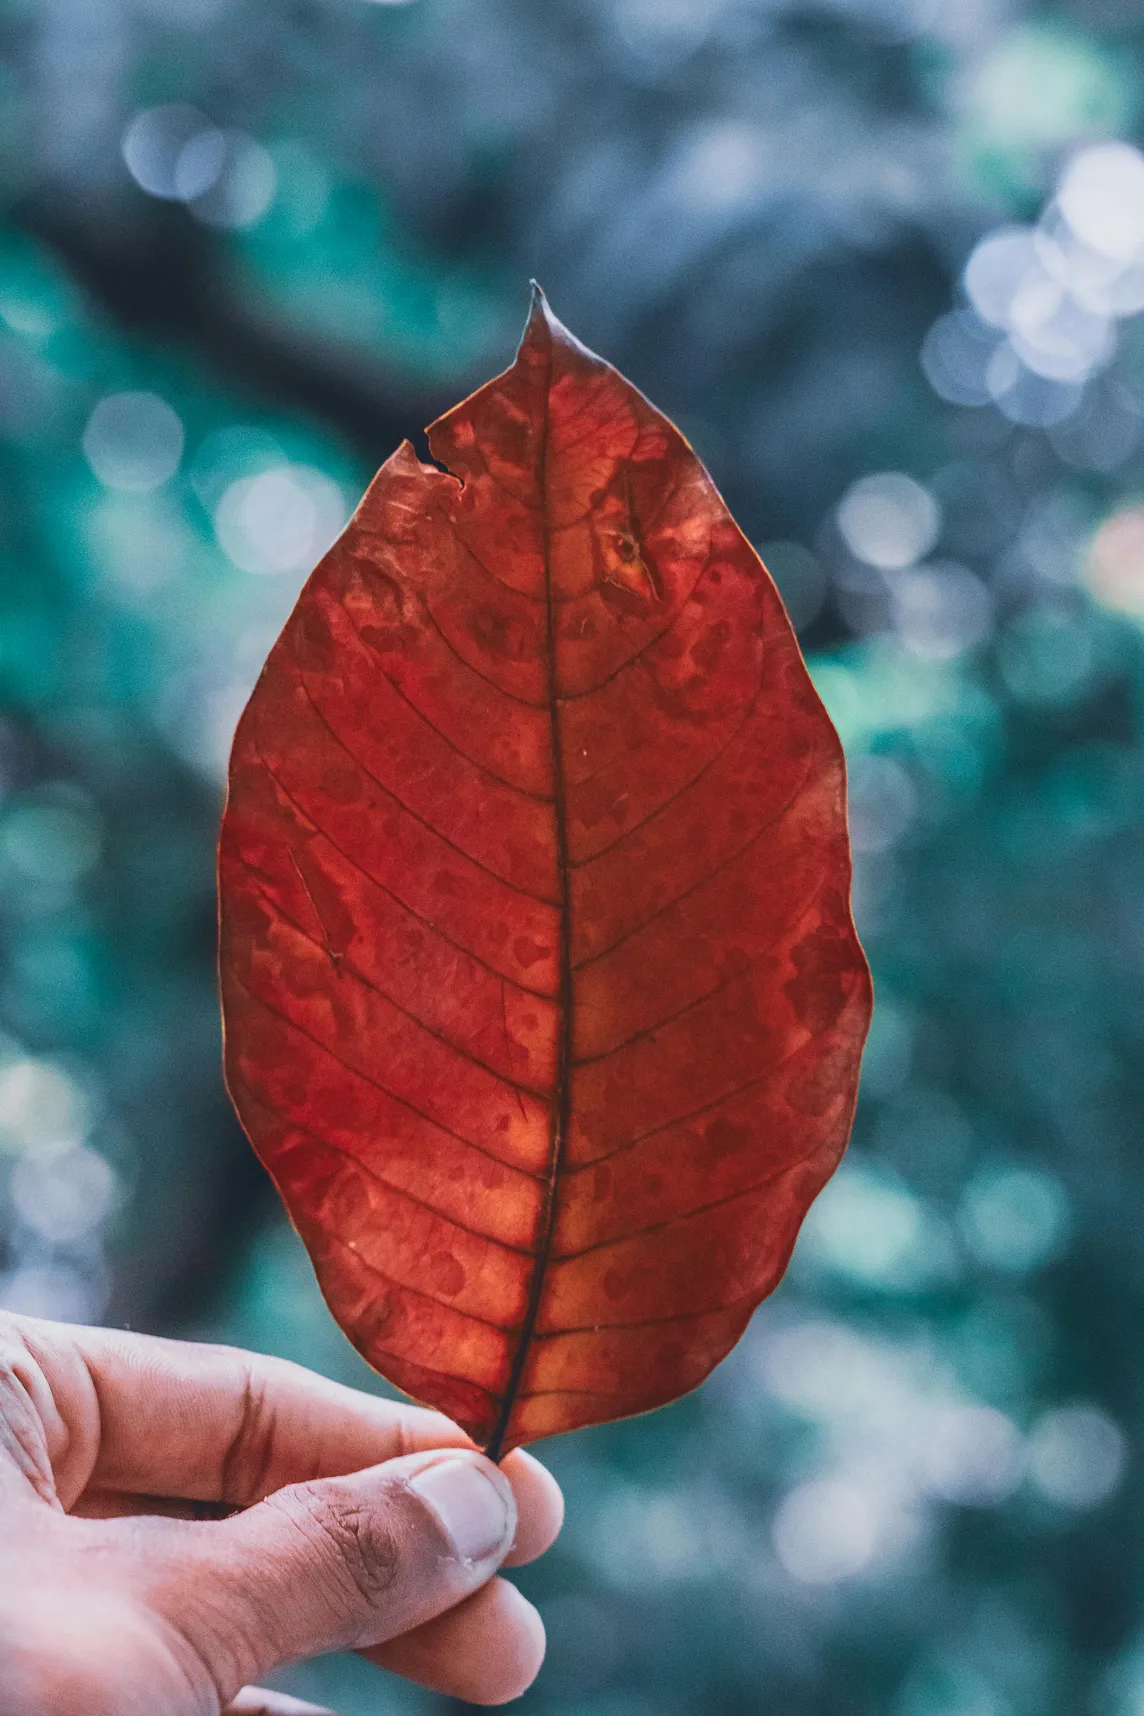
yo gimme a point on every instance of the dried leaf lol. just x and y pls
(543, 1001)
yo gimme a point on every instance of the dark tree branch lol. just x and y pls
(158, 273)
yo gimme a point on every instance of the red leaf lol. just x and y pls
(543, 1001)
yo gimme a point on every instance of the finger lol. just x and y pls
(253, 1701)
(342, 1563)
(211, 1423)
(120, 1504)
(187, 1422)
(487, 1650)
(539, 1507)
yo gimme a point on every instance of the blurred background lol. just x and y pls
(883, 260)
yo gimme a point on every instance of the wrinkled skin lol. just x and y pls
(178, 1520)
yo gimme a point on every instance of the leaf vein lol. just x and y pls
(584, 863)
(430, 1209)
(685, 1215)
(368, 983)
(648, 644)
(525, 702)
(702, 881)
(681, 1119)
(513, 887)
(645, 1322)
(501, 780)
(525, 989)
(376, 1084)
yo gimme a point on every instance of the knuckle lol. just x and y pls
(248, 1459)
(23, 1438)
(362, 1545)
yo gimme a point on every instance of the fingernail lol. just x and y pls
(469, 1506)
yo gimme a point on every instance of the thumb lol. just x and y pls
(337, 1564)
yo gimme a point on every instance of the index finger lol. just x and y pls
(212, 1423)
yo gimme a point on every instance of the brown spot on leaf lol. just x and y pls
(824, 967)
(446, 1274)
(723, 1137)
(707, 653)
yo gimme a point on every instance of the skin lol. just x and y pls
(179, 1520)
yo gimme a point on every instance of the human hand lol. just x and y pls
(129, 1587)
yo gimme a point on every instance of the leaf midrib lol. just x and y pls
(562, 1092)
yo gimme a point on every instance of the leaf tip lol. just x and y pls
(541, 322)
(543, 326)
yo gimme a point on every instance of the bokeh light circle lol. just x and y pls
(888, 520)
(133, 441)
(1102, 197)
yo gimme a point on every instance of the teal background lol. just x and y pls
(244, 250)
